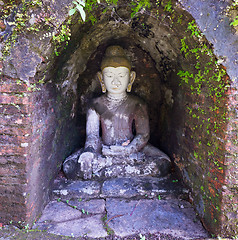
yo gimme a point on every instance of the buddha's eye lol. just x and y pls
(121, 76)
(109, 76)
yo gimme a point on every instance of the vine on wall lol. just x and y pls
(206, 81)
(16, 18)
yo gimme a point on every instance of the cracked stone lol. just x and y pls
(150, 216)
(58, 212)
(90, 227)
(94, 206)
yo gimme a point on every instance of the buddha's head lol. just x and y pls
(116, 76)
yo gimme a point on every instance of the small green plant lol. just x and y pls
(79, 5)
(108, 229)
(235, 22)
(63, 36)
(137, 6)
(168, 7)
(234, 5)
(192, 26)
(27, 228)
(142, 237)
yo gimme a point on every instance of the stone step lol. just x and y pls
(122, 207)
(134, 187)
(119, 218)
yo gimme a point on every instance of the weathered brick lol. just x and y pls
(15, 140)
(7, 205)
(14, 109)
(18, 197)
(13, 159)
(3, 160)
(216, 182)
(14, 119)
(7, 87)
(15, 131)
(8, 99)
(11, 170)
(12, 150)
(5, 79)
(12, 180)
(16, 189)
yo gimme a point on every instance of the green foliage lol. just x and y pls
(87, 6)
(79, 5)
(235, 22)
(209, 74)
(63, 36)
(205, 81)
(136, 6)
(20, 24)
(234, 5)
(192, 27)
(168, 7)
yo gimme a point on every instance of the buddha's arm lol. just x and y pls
(142, 130)
(92, 143)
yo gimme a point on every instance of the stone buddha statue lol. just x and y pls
(122, 148)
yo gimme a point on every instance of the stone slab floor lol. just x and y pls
(115, 209)
(121, 208)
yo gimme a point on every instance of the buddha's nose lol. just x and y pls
(116, 81)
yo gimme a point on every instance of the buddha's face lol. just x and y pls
(116, 79)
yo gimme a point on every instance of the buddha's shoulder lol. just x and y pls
(136, 100)
(98, 100)
(98, 103)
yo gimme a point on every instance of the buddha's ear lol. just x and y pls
(132, 79)
(100, 78)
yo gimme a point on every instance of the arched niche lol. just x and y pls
(154, 47)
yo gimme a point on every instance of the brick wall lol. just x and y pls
(230, 188)
(15, 131)
(36, 133)
(202, 152)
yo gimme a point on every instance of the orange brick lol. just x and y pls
(7, 99)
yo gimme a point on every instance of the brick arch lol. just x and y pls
(42, 127)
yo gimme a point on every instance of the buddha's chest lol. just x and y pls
(117, 128)
(117, 121)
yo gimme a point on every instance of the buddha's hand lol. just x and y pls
(85, 161)
(114, 150)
